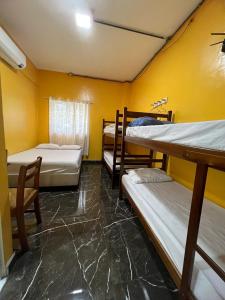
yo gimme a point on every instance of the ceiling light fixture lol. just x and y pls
(83, 20)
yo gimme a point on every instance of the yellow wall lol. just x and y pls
(4, 204)
(20, 100)
(106, 96)
(192, 75)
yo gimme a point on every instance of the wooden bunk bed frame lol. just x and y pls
(115, 146)
(129, 159)
(204, 158)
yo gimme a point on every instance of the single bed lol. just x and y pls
(59, 167)
(165, 207)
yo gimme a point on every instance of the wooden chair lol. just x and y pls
(22, 197)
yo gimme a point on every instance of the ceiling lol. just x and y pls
(46, 31)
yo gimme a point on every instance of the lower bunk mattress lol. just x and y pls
(59, 167)
(108, 158)
(165, 207)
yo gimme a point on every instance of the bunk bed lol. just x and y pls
(111, 147)
(187, 230)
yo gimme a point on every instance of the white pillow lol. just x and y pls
(147, 175)
(48, 146)
(70, 147)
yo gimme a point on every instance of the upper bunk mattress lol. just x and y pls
(111, 128)
(58, 166)
(166, 207)
(209, 134)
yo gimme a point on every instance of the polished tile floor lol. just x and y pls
(90, 246)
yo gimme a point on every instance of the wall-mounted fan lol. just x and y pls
(221, 42)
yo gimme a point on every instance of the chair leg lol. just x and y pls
(37, 210)
(22, 232)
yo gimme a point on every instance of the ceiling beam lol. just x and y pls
(71, 74)
(105, 23)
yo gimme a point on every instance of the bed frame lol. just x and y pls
(131, 160)
(204, 158)
(114, 145)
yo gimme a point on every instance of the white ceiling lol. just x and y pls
(46, 31)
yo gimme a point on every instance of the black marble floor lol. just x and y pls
(90, 246)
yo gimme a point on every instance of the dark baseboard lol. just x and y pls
(59, 188)
(92, 162)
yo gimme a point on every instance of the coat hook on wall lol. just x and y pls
(159, 103)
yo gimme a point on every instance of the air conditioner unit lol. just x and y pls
(10, 52)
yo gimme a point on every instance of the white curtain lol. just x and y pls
(69, 123)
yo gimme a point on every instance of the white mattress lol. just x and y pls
(111, 128)
(108, 156)
(59, 167)
(166, 206)
(209, 134)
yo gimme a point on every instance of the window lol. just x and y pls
(69, 122)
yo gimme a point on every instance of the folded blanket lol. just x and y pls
(146, 175)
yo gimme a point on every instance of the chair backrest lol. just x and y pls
(28, 173)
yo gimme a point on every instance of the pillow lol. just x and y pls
(147, 175)
(70, 147)
(48, 146)
(145, 121)
(111, 125)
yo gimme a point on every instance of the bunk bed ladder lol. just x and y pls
(115, 148)
(103, 138)
(124, 125)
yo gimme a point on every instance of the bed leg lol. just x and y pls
(113, 181)
(121, 193)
